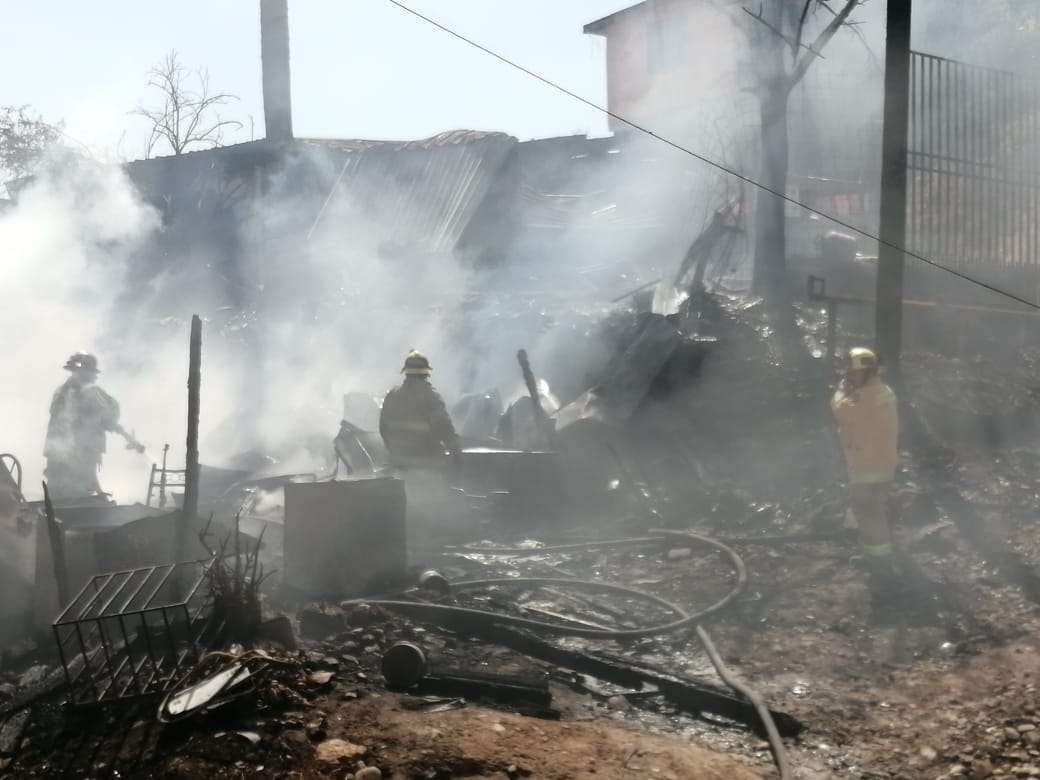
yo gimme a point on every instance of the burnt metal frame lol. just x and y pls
(134, 633)
(167, 478)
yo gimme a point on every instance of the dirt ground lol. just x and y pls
(943, 687)
(939, 684)
(340, 733)
(480, 743)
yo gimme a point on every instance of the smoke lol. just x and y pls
(322, 307)
(339, 307)
(347, 294)
(308, 297)
(76, 236)
(995, 33)
(66, 246)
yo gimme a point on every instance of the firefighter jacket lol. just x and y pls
(415, 424)
(80, 416)
(868, 426)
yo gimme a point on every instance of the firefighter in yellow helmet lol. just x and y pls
(868, 425)
(414, 421)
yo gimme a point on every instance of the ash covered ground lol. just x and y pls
(941, 685)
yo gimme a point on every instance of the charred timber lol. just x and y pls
(695, 697)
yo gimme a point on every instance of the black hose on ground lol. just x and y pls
(650, 541)
(683, 619)
(776, 744)
(605, 544)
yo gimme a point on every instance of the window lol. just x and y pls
(664, 42)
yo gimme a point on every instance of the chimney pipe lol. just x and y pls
(274, 56)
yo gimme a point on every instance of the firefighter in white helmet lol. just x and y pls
(414, 422)
(867, 415)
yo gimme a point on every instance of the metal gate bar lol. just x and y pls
(974, 161)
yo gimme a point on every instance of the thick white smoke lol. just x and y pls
(67, 247)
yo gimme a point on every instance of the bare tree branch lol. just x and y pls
(794, 43)
(801, 28)
(828, 32)
(854, 27)
(187, 118)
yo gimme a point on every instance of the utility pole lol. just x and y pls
(888, 324)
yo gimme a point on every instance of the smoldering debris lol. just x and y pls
(690, 455)
(675, 413)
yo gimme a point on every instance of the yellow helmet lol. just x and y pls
(416, 364)
(861, 359)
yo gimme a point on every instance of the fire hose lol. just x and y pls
(680, 617)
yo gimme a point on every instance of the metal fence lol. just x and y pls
(974, 167)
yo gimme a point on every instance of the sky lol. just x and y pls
(360, 68)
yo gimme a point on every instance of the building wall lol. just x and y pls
(658, 50)
(683, 69)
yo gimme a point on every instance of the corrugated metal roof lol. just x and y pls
(448, 138)
(424, 192)
(615, 183)
(586, 210)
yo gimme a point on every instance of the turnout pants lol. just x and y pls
(868, 505)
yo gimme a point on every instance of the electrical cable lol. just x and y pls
(714, 163)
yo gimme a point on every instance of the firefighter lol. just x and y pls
(868, 425)
(81, 414)
(414, 421)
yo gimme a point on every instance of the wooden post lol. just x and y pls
(888, 328)
(545, 425)
(57, 539)
(162, 478)
(190, 510)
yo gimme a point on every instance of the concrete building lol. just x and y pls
(684, 70)
(659, 49)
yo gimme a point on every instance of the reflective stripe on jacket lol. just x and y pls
(868, 426)
(414, 422)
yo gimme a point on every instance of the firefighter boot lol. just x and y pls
(886, 585)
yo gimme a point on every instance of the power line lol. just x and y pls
(713, 163)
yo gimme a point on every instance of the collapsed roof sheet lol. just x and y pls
(426, 191)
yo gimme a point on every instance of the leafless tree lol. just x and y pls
(788, 36)
(188, 117)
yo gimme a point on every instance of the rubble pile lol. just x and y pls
(484, 650)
